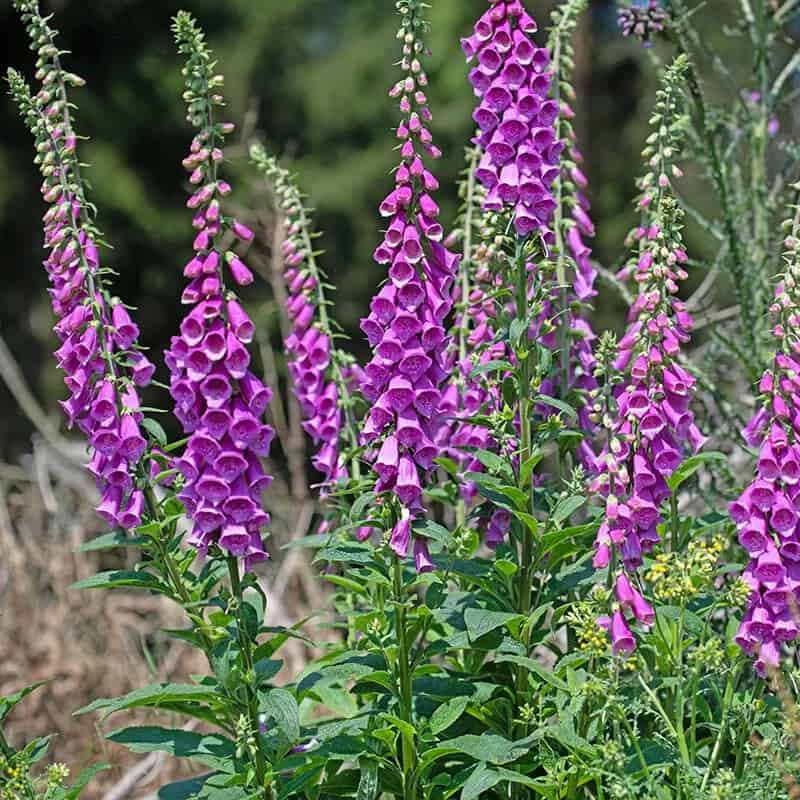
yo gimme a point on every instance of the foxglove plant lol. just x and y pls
(475, 331)
(219, 401)
(99, 352)
(575, 273)
(766, 513)
(405, 326)
(320, 372)
(515, 116)
(654, 426)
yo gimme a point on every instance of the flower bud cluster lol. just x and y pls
(653, 429)
(655, 425)
(642, 21)
(320, 382)
(99, 354)
(767, 514)
(219, 401)
(515, 116)
(475, 327)
(405, 326)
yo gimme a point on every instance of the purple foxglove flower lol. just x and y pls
(404, 378)
(766, 514)
(401, 537)
(516, 129)
(622, 640)
(218, 400)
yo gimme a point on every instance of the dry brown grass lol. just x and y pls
(91, 644)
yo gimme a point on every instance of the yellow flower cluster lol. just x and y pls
(14, 782)
(676, 576)
(592, 639)
(708, 655)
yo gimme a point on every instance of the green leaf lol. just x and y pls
(491, 366)
(294, 786)
(109, 541)
(529, 520)
(312, 541)
(36, 749)
(432, 530)
(527, 468)
(348, 554)
(82, 782)
(184, 790)
(488, 747)
(368, 783)
(447, 713)
(560, 405)
(654, 753)
(494, 463)
(170, 696)
(448, 465)
(537, 784)
(518, 328)
(127, 578)
(405, 728)
(690, 466)
(691, 621)
(534, 667)
(479, 621)
(498, 492)
(362, 503)
(211, 786)
(346, 583)
(155, 430)
(8, 703)
(481, 780)
(211, 750)
(566, 507)
(281, 706)
(337, 699)
(506, 568)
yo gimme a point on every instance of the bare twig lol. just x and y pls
(14, 379)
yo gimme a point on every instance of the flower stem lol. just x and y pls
(246, 647)
(723, 727)
(405, 697)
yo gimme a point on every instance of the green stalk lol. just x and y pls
(560, 245)
(679, 700)
(723, 725)
(5, 748)
(466, 269)
(667, 721)
(525, 405)
(635, 742)
(405, 697)
(526, 438)
(336, 371)
(246, 647)
(675, 523)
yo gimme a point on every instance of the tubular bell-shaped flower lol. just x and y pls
(319, 371)
(99, 356)
(515, 116)
(767, 514)
(405, 326)
(654, 426)
(218, 399)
